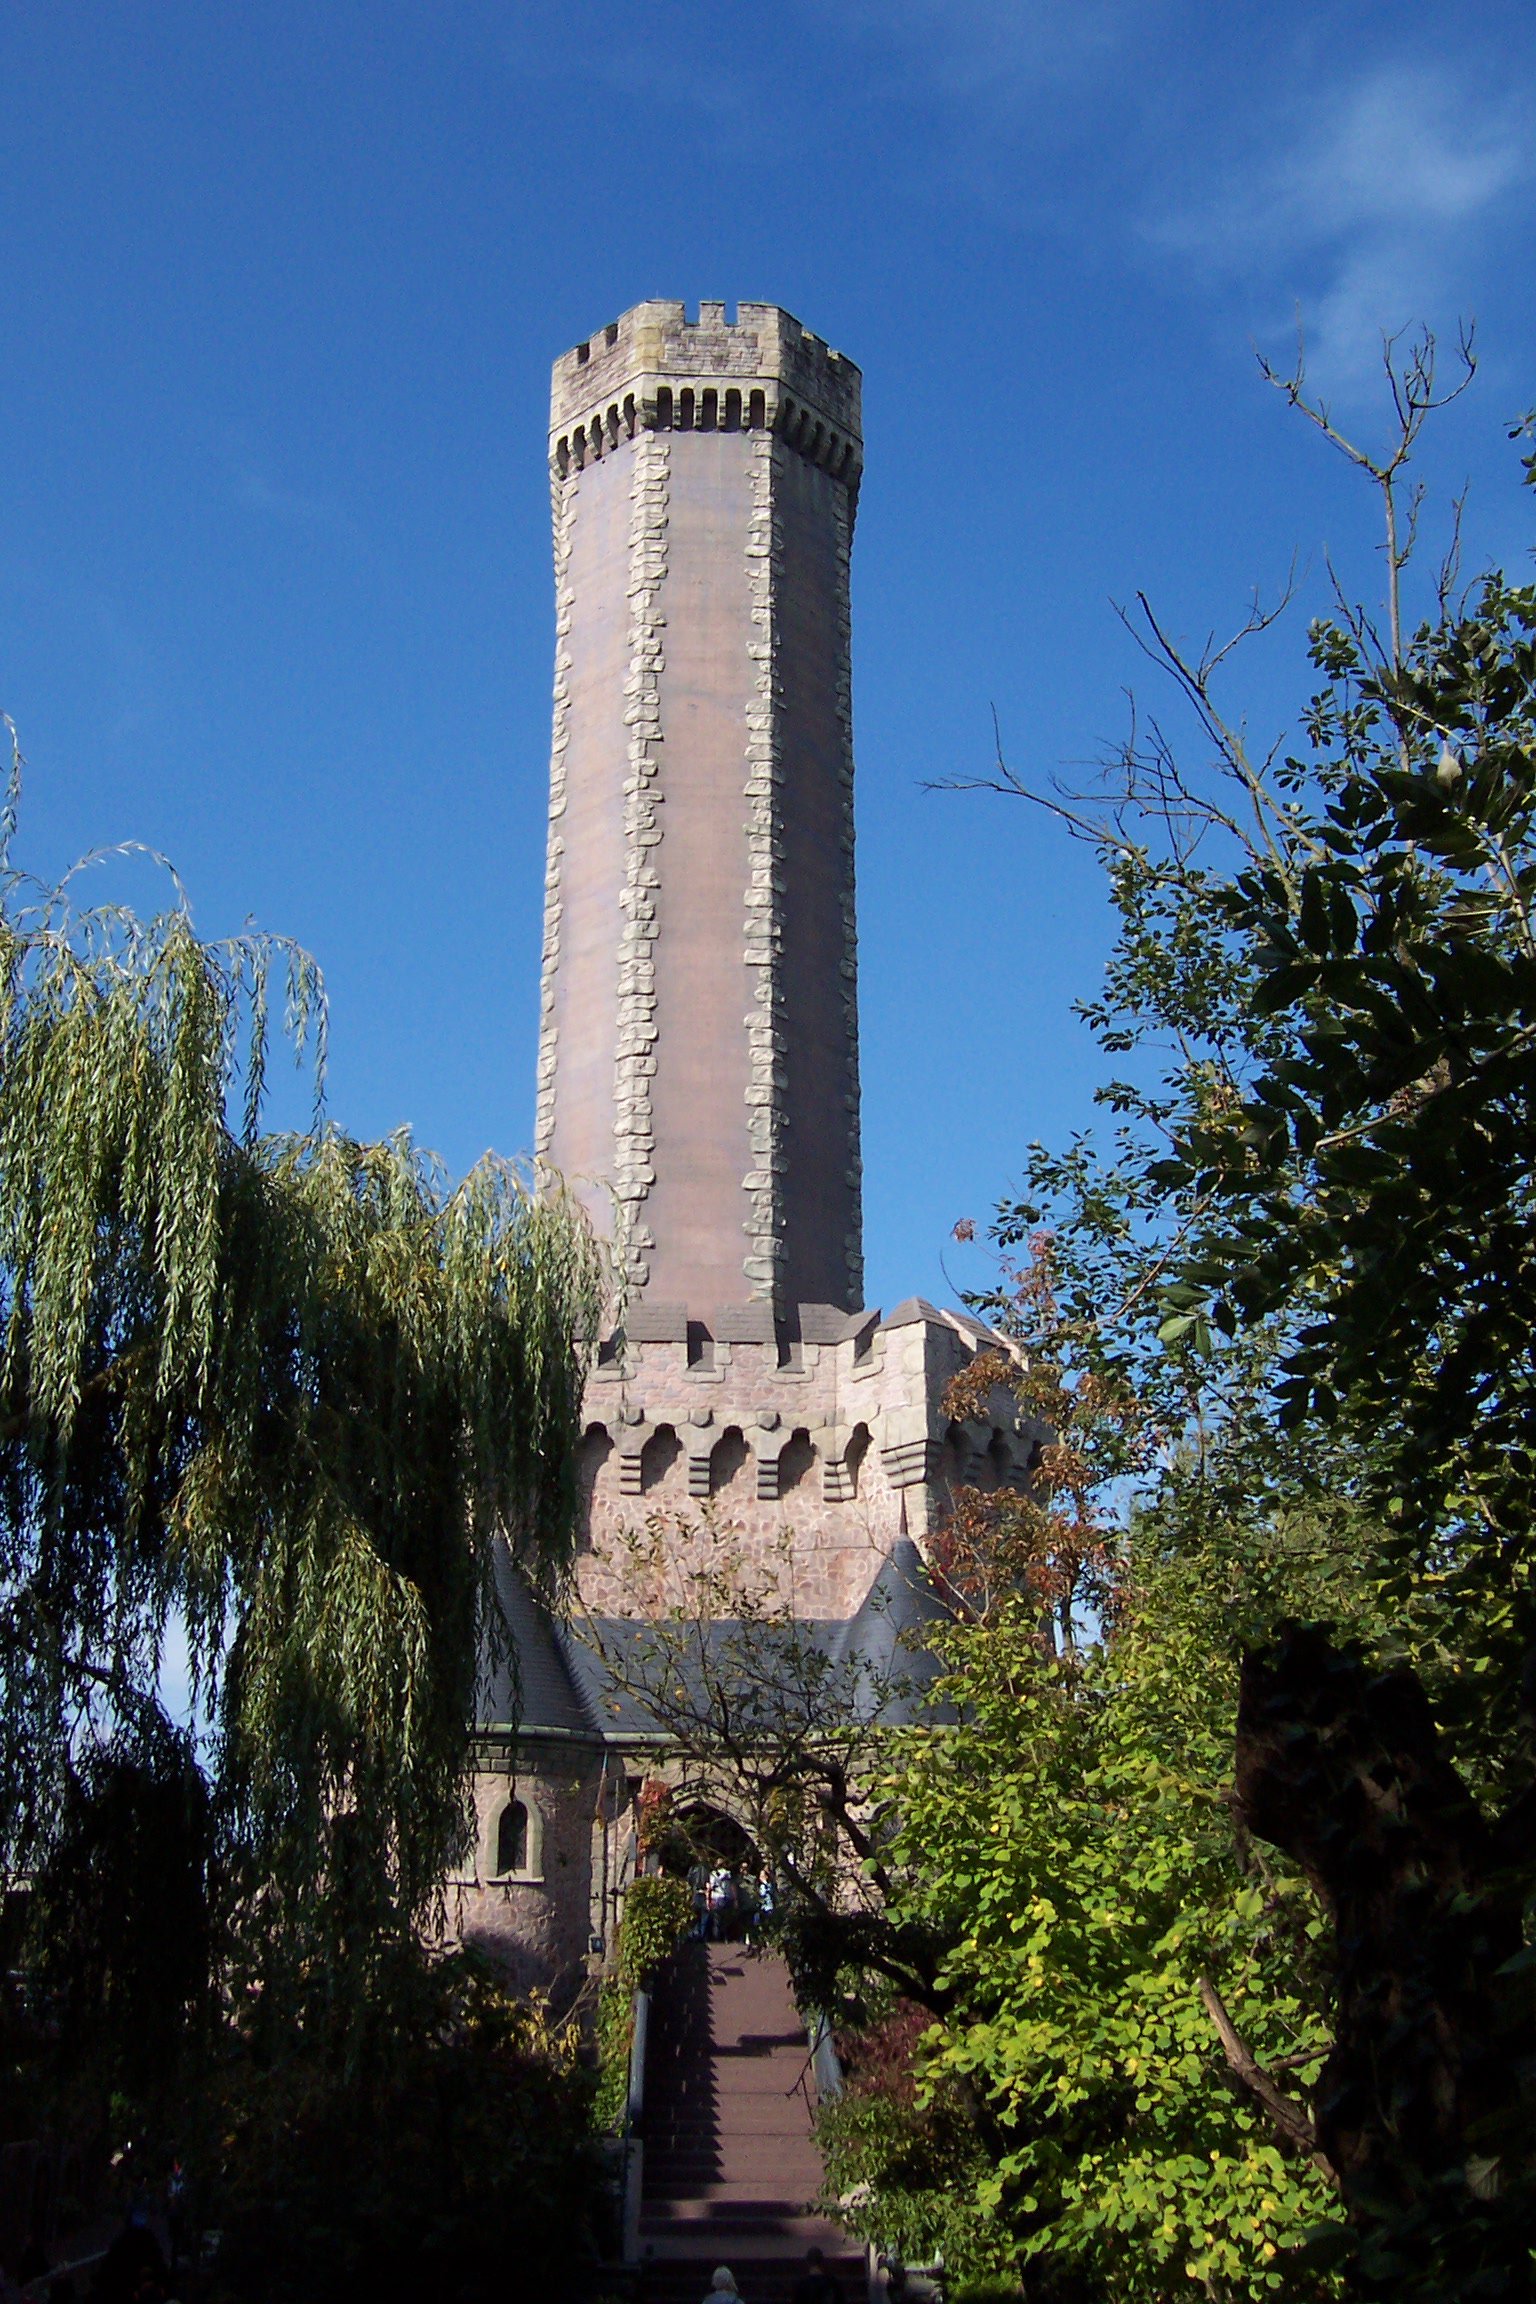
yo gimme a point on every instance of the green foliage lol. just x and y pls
(1377, 1178)
(120, 1924)
(902, 2174)
(657, 1909)
(280, 1392)
(1070, 1836)
(468, 2146)
(615, 2038)
(1309, 1255)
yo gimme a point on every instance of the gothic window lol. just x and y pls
(512, 1840)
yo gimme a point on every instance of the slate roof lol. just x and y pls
(533, 1685)
(560, 1682)
(885, 1634)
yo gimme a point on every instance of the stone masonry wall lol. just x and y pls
(809, 1473)
(701, 792)
(536, 1929)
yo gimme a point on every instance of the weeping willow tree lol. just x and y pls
(274, 1396)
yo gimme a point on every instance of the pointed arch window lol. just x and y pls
(512, 1839)
(516, 1837)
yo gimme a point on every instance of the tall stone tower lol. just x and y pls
(698, 1054)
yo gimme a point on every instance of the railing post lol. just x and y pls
(634, 2121)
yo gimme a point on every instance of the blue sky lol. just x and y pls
(281, 289)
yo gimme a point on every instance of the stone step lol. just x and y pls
(730, 2165)
(761, 2279)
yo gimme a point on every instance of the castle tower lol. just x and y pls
(698, 1053)
(698, 1065)
(698, 1059)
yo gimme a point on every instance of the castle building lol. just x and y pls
(698, 1073)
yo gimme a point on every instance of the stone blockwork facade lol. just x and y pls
(815, 1469)
(698, 1062)
(698, 1083)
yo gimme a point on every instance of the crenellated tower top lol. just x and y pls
(655, 370)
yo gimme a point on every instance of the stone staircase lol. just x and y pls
(730, 2168)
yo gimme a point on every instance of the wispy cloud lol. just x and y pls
(1374, 213)
(259, 494)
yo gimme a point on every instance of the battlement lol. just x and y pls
(655, 370)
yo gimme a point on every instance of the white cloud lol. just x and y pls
(1372, 214)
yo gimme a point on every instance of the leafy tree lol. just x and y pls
(1134, 1990)
(279, 1393)
(1325, 1202)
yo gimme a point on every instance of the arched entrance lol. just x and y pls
(700, 1834)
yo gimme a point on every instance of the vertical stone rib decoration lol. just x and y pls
(562, 498)
(842, 523)
(635, 1058)
(763, 925)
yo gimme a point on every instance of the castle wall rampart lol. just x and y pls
(654, 347)
(808, 1472)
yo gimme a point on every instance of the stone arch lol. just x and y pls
(727, 1459)
(515, 1841)
(797, 1459)
(843, 1464)
(1000, 1472)
(702, 1833)
(593, 1455)
(658, 1457)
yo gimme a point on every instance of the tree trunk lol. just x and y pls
(1419, 2107)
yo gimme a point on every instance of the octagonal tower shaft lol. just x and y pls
(698, 1056)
